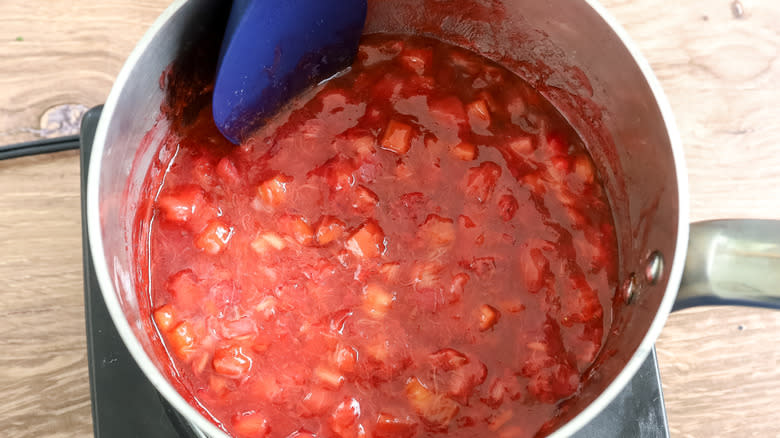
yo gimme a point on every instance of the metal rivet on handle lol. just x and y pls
(654, 268)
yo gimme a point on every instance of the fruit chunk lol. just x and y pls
(250, 425)
(182, 204)
(457, 287)
(165, 317)
(436, 409)
(329, 229)
(447, 110)
(214, 238)
(345, 358)
(465, 151)
(365, 199)
(392, 426)
(438, 231)
(299, 229)
(267, 241)
(507, 207)
(488, 317)
(377, 300)
(457, 374)
(231, 362)
(398, 137)
(273, 191)
(185, 290)
(345, 417)
(182, 340)
(367, 241)
(416, 59)
(482, 180)
(227, 171)
(479, 116)
(329, 378)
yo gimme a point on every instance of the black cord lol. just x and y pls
(45, 146)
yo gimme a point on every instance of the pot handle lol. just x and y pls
(732, 262)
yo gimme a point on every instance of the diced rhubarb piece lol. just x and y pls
(416, 59)
(365, 199)
(457, 287)
(484, 267)
(182, 204)
(397, 137)
(227, 172)
(583, 167)
(507, 207)
(482, 180)
(274, 191)
(182, 340)
(214, 238)
(231, 362)
(299, 229)
(250, 425)
(377, 300)
(479, 115)
(165, 317)
(437, 230)
(392, 426)
(329, 378)
(465, 151)
(436, 409)
(268, 241)
(185, 290)
(367, 241)
(329, 229)
(488, 317)
(345, 358)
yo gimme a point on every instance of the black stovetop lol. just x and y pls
(126, 405)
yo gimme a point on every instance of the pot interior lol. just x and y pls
(564, 48)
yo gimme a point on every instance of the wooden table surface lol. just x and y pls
(720, 70)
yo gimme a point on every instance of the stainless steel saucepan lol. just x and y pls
(579, 58)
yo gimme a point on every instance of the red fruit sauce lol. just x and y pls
(419, 247)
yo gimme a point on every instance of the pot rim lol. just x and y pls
(210, 429)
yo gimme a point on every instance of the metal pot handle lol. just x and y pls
(732, 262)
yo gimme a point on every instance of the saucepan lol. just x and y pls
(583, 62)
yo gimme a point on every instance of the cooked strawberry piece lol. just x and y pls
(329, 378)
(231, 362)
(448, 111)
(427, 276)
(437, 230)
(214, 238)
(268, 241)
(522, 146)
(165, 317)
(488, 317)
(338, 171)
(479, 115)
(448, 359)
(227, 172)
(583, 167)
(182, 340)
(316, 402)
(251, 425)
(534, 267)
(397, 137)
(345, 358)
(482, 180)
(298, 229)
(392, 426)
(377, 300)
(416, 59)
(457, 287)
(437, 410)
(367, 241)
(465, 151)
(329, 229)
(345, 417)
(274, 191)
(365, 199)
(183, 204)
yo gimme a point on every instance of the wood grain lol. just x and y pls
(719, 365)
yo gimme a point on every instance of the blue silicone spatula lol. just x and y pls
(273, 50)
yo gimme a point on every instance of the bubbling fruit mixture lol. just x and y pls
(418, 247)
